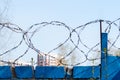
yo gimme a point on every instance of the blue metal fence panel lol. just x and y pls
(24, 71)
(86, 72)
(5, 72)
(113, 67)
(96, 71)
(49, 72)
(103, 74)
(117, 76)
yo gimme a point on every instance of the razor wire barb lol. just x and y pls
(78, 31)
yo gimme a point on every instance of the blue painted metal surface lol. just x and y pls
(24, 72)
(103, 74)
(117, 76)
(86, 72)
(110, 65)
(5, 72)
(49, 72)
(113, 68)
(112, 71)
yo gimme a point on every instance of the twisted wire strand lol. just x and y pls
(16, 29)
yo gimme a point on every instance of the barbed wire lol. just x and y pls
(28, 35)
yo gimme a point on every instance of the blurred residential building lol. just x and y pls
(46, 60)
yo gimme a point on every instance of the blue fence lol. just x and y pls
(24, 72)
(49, 72)
(86, 72)
(108, 70)
(5, 72)
(46, 72)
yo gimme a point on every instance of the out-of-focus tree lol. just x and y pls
(117, 52)
(63, 51)
(4, 6)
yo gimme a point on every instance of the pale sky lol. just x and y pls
(72, 12)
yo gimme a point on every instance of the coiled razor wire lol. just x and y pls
(27, 36)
